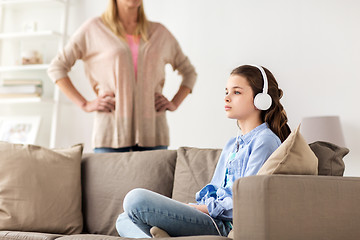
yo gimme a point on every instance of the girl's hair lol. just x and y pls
(112, 20)
(275, 116)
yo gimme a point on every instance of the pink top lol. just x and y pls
(133, 42)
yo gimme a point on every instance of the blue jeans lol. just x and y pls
(144, 209)
(128, 149)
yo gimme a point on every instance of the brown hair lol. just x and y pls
(275, 116)
(112, 20)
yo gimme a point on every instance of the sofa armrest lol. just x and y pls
(297, 207)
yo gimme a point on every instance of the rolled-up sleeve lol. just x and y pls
(218, 201)
(222, 206)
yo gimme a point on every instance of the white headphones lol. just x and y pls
(262, 101)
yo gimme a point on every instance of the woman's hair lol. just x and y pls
(275, 116)
(112, 20)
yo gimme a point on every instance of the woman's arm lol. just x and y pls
(162, 103)
(62, 63)
(103, 103)
(182, 64)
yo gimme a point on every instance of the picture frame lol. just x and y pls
(19, 129)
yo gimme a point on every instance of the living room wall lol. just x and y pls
(312, 48)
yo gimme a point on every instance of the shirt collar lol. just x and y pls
(250, 135)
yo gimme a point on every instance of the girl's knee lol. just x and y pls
(135, 198)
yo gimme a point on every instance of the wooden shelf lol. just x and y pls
(14, 35)
(10, 2)
(24, 67)
(26, 100)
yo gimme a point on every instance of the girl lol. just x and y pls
(263, 123)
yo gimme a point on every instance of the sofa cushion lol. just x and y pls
(194, 169)
(11, 235)
(330, 158)
(108, 177)
(90, 237)
(40, 189)
(293, 156)
(104, 237)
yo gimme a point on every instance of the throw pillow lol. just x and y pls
(330, 158)
(108, 177)
(293, 156)
(40, 189)
(194, 169)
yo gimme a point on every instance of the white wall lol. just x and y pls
(312, 48)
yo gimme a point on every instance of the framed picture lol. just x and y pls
(19, 129)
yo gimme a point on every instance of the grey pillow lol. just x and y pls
(108, 177)
(40, 189)
(330, 158)
(194, 169)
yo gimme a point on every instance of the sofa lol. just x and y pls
(266, 207)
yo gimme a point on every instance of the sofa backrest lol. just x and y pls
(108, 177)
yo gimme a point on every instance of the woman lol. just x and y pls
(263, 128)
(124, 57)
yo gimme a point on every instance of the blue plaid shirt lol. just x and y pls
(242, 156)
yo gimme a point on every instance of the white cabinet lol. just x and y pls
(32, 28)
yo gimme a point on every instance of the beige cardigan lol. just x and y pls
(109, 68)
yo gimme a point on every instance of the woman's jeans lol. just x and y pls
(128, 149)
(144, 209)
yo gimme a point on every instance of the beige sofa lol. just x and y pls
(268, 207)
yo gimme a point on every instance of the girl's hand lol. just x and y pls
(163, 104)
(103, 103)
(201, 208)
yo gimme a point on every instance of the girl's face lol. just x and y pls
(239, 99)
(129, 3)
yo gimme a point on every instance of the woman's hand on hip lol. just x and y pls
(103, 103)
(163, 104)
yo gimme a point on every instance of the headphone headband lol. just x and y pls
(265, 87)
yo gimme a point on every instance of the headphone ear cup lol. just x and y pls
(262, 101)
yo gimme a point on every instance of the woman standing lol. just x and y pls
(124, 58)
